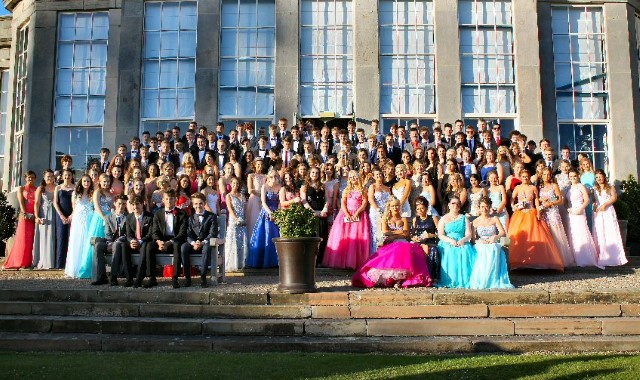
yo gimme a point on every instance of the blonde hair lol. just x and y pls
(387, 208)
(350, 187)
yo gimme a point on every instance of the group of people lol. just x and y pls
(414, 198)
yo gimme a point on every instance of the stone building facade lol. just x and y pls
(81, 74)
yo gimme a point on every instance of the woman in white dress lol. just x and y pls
(402, 190)
(80, 218)
(236, 244)
(378, 195)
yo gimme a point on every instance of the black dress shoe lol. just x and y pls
(137, 283)
(203, 282)
(187, 282)
(153, 282)
(101, 281)
(175, 283)
(113, 281)
(128, 283)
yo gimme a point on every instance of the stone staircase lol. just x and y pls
(407, 321)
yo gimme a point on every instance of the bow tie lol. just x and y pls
(169, 212)
(200, 214)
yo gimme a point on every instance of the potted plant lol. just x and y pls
(8, 221)
(297, 248)
(627, 211)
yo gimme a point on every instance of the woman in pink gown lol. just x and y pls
(348, 244)
(21, 252)
(582, 245)
(398, 262)
(606, 232)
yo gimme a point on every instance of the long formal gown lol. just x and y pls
(78, 235)
(44, 241)
(399, 263)
(62, 230)
(316, 200)
(262, 250)
(432, 210)
(490, 269)
(564, 184)
(405, 208)
(254, 204)
(236, 242)
(457, 262)
(21, 252)
(212, 201)
(381, 198)
(606, 233)
(553, 219)
(588, 179)
(348, 245)
(423, 226)
(580, 239)
(329, 188)
(532, 245)
(496, 200)
(474, 204)
(95, 230)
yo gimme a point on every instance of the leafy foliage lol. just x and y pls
(296, 221)
(8, 218)
(628, 207)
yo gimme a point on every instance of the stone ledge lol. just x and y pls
(557, 326)
(388, 298)
(227, 311)
(470, 297)
(621, 326)
(346, 328)
(423, 311)
(253, 327)
(440, 327)
(331, 312)
(623, 296)
(313, 299)
(555, 310)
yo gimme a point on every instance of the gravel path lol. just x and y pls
(256, 281)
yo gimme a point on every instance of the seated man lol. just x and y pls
(114, 226)
(202, 226)
(138, 238)
(169, 232)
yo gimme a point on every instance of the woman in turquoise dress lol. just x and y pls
(262, 250)
(588, 179)
(102, 205)
(498, 195)
(457, 254)
(490, 269)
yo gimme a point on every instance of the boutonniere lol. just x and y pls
(175, 211)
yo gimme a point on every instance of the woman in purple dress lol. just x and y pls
(606, 232)
(582, 245)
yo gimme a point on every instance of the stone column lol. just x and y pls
(547, 80)
(207, 65)
(129, 73)
(366, 52)
(110, 128)
(527, 70)
(448, 77)
(287, 87)
(624, 99)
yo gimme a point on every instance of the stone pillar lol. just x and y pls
(207, 65)
(129, 73)
(624, 102)
(366, 52)
(110, 128)
(287, 87)
(448, 77)
(549, 127)
(527, 69)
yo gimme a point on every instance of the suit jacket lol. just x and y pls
(409, 148)
(395, 155)
(174, 158)
(153, 157)
(277, 141)
(112, 230)
(435, 145)
(492, 145)
(475, 144)
(147, 227)
(179, 226)
(200, 163)
(202, 231)
(216, 157)
(300, 148)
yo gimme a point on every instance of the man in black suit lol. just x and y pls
(114, 239)
(166, 155)
(135, 149)
(137, 238)
(472, 140)
(282, 128)
(200, 152)
(221, 155)
(220, 131)
(296, 140)
(169, 232)
(201, 227)
(394, 153)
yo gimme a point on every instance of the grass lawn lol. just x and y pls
(95, 366)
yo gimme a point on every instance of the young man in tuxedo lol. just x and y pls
(169, 232)
(200, 152)
(114, 226)
(201, 227)
(296, 140)
(393, 151)
(221, 155)
(135, 149)
(104, 159)
(282, 128)
(138, 239)
(220, 131)
(287, 153)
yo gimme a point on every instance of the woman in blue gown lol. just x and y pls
(588, 179)
(62, 202)
(457, 254)
(102, 205)
(490, 267)
(262, 250)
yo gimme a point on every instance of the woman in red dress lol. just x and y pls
(21, 252)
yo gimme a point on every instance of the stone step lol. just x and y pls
(321, 327)
(47, 342)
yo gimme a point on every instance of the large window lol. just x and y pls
(247, 60)
(487, 58)
(581, 80)
(169, 64)
(4, 93)
(20, 90)
(81, 71)
(326, 57)
(407, 58)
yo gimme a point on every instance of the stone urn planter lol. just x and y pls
(297, 248)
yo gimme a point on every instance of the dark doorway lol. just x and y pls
(340, 123)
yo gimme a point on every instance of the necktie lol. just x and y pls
(317, 145)
(168, 212)
(138, 229)
(286, 158)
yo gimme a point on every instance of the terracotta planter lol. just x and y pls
(297, 263)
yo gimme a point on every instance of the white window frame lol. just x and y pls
(19, 104)
(488, 85)
(4, 118)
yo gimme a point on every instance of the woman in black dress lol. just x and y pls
(313, 198)
(425, 233)
(62, 202)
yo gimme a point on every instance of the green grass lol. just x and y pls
(162, 366)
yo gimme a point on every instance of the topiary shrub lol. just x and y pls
(628, 207)
(296, 221)
(8, 218)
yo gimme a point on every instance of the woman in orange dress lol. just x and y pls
(21, 252)
(532, 245)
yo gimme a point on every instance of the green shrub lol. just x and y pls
(296, 221)
(628, 207)
(8, 218)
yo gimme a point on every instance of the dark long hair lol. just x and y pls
(43, 184)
